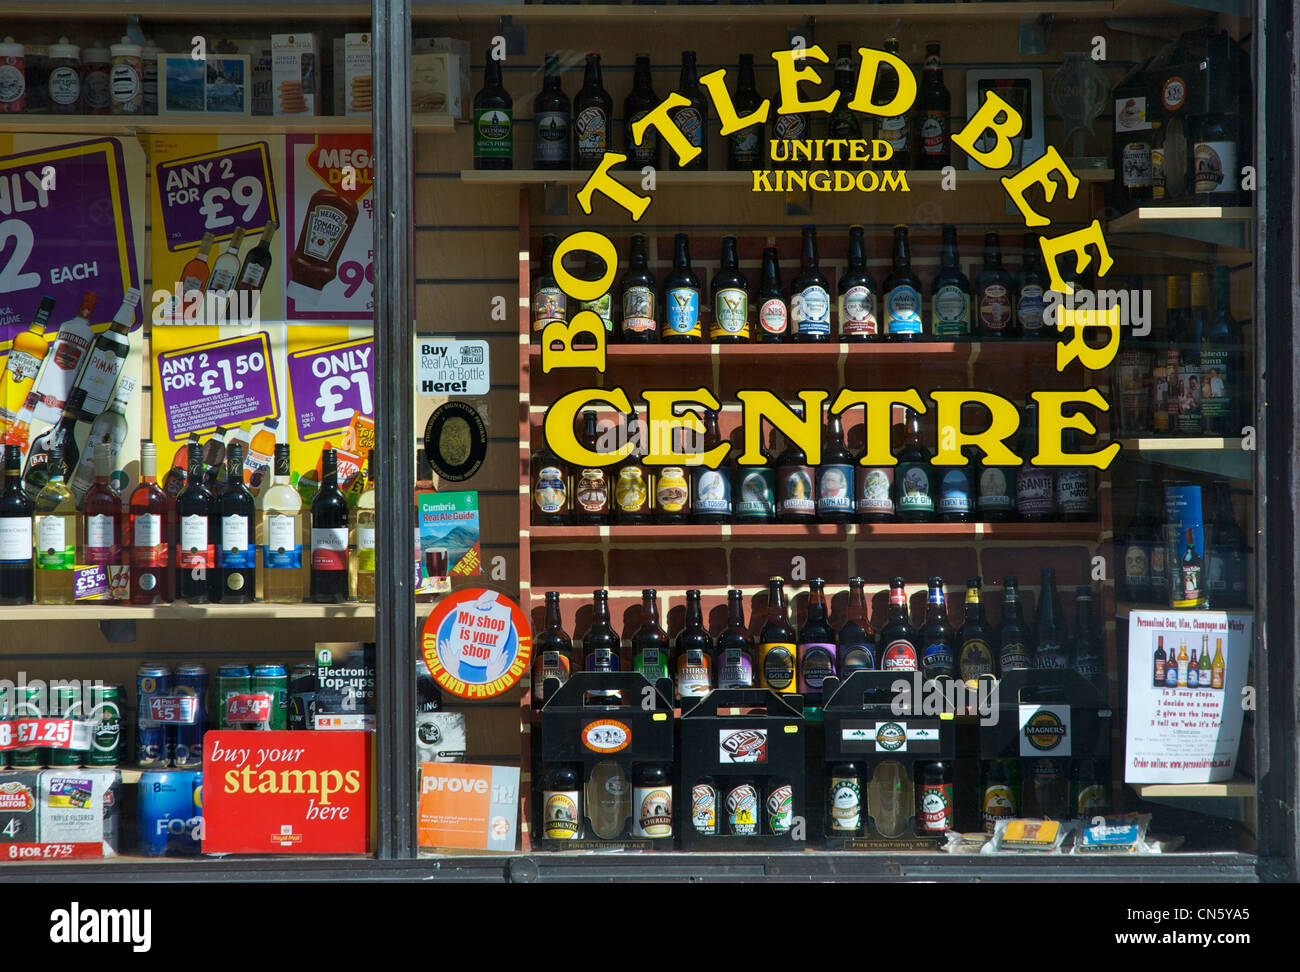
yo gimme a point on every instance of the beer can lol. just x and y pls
(106, 719)
(66, 703)
(167, 819)
(187, 752)
(232, 680)
(274, 681)
(302, 696)
(152, 750)
(27, 705)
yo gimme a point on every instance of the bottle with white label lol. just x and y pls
(65, 358)
(101, 513)
(103, 365)
(55, 530)
(363, 536)
(237, 554)
(225, 272)
(15, 533)
(152, 522)
(196, 551)
(280, 535)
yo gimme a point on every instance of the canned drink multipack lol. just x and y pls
(27, 705)
(170, 813)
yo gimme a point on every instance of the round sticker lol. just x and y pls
(476, 643)
(455, 440)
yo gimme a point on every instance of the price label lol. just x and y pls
(215, 193)
(331, 386)
(179, 710)
(48, 733)
(90, 583)
(51, 852)
(248, 708)
(224, 383)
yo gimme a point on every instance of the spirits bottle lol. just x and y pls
(363, 535)
(26, 353)
(152, 515)
(102, 366)
(58, 439)
(55, 528)
(329, 536)
(280, 535)
(70, 347)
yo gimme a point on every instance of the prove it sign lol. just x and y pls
(286, 792)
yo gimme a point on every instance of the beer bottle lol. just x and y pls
(1048, 786)
(694, 657)
(551, 118)
(835, 476)
(641, 100)
(1091, 796)
(816, 658)
(936, 107)
(978, 646)
(638, 297)
(902, 289)
(1171, 668)
(936, 636)
(754, 489)
(934, 802)
(844, 122)
(743, 812)
(494, 145)
(897, 642)
(562, 804)
(1140, 539)
(1050, 635)
(776, 644)
(746, 148)
(875, 487)
(1225, 552)
(593, 110)
(734, 658)
(915, 477)
(692, 118)
(548, 298)
(550, 476)
(1158, 663)
(711, 488)
(1001, 792)
(1182, 666)
(591, 490)
(810, 302)
(857, 293)
(1189, 358)
(1194, 669)
(1089, 658)
(1031, 291)
(729, 290)
(950, 293)
(594, 269)
(1214, 153)
(795, 501)
(957, 489)
(553, 650)
(1075, 500)
(681, 302)
(994, 288)
(773, 314)
(845, 800)
(601, 647)
(1013, 640)
(652, 802)
(857, 638)
(633, 479)
(1220, 368)
(780, 806)
(894, 130)
(1133, 138)
(1035, 485)
(651, 655)
(704, 806)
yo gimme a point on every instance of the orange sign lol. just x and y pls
(477, 643)
(462, 805)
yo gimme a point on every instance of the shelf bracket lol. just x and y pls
(516, 36)
(555, 199)
(117, 631)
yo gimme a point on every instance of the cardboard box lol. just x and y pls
(458, 47)
(258, 50)
(59, 813)
(436, 85)
(358, 92)
(295, 74)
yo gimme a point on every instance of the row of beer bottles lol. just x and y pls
(789, 661)
(787, 489)
(995, 304)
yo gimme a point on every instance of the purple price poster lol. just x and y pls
(216, 193)
(223, 383)
(330, 385)
(65, 228)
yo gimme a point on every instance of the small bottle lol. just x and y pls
(704, 807)
(898, 643)
(817, 648)
(638, 297)
(550, 479)
(994, 295)
(776, 644)
(773, 311)
(1035, 485)
(641, 100)
(934, 798)
(856, 640)
(744, 815)
(746, 149)
(857, 294)
(894, 130)
(692, 118)
(651, 654)
(553, 649)
(915, 476)
(978, 646)
(734, 653)
(950, 293)
(795, 489)
(845, 800)
(549, 301)
(693, 655)
(711, 496)
(936, 639)
(591, 488)
(1013, 644)
(936, 108)
(729, 290)
(835, 476)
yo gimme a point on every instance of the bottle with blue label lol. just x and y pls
(936, 635)
(902, 290)
(754, 490)
(810, 301)
(711, 488)
(835, 487)
(681, 302)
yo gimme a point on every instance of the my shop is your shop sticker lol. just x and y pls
(477, 643)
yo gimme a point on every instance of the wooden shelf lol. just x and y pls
(1239, 787)
(189, 10)
(1215, 225)
(955, 351)
(699, 534)
(181, 124)
(642, 14)
(741, 180)
(105, 611)
(1208, 454)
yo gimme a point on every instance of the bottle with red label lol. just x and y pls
(995, 317)
(934, 798)
(152, 524)
(773, 311)
(897, 640)
(329, 536)
(936, 107)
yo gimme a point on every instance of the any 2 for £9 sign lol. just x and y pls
(215, 193)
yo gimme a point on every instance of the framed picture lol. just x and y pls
(1025, 93)
(218, 85)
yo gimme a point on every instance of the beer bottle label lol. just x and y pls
(780, 810)
(776, 667)
(1050, 655)
(795, 491)
(1214, 382)
(894, 131)
(549, 492)
(756, 499)
(691, 123)
(1034, 491)
(899, 656)
(773, 316)
(951, 310)
(548, 306)
(730, 314)
(995, 495)
(846, 805)
(1072, 492)
(745, 148)
(817, 663)
(954, 492)
(858, 312)
(639, 310)
(493, 130)
(1014, 655)
(936, 659)
(790, 127)
(560, 815)
(736, 670)
(704, 809)
(653, 811)
(672, 493)
(934, 814)
(999, 801)
(643, 154)
(602, 660)
(1159, 577)
(742, 810)
(693, 680)
(684, 312)
(1088, 664)
(552, 143)
(859, 657)
(915, 489)
(903, 310)
(712, 491)
(602, 307)
(934, 132)
(630, 490)
(591, 129)
(555, 664)
(834, 489)
(876, 490)
(651, 663)
(1216, 166)
(1029, 308)
(976, 659)
(1135, 163)
(810, 311)
(995, 308)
